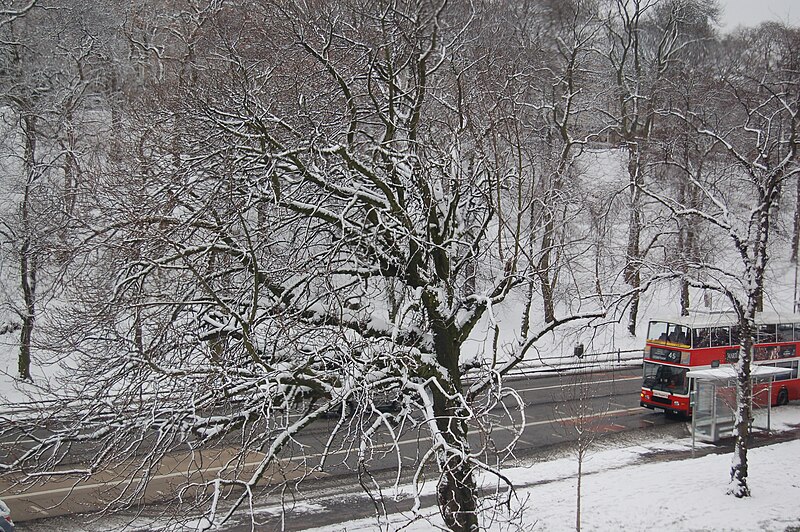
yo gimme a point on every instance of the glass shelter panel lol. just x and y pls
(712, 415)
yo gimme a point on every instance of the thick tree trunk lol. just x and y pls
(526, 313)
(547, 295)
(28, 279)
(633, 316)
(685, 298)
(744, 394)
(633, 265)
(27, 259)
(747, 328)
(547, 278)
(456, 493)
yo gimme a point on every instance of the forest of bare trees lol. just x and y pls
(223, 221)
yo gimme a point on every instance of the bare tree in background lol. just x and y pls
(750, 118)
(229, 284)
(569, 36)
(646, 39)
(46, 71)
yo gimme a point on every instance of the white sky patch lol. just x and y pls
(753, 12)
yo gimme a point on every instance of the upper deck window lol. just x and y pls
(720, 336)
(657, 331)
(701, 337)
(767, 333)
(672, 333)
(785, 332)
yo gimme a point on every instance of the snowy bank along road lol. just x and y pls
(550, 404)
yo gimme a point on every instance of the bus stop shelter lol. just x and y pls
(713, 393)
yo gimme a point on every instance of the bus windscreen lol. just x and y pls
(665, 378)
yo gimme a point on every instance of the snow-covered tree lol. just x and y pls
(303, 220)
(46, 71)
(646, 39)
(313, 212)
(748, 126)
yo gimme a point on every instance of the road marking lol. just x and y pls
(129, 481)
(559, 386)
(600, 415)
(81, 487)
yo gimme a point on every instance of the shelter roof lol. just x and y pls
(729, 372)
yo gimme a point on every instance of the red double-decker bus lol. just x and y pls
(676, 345)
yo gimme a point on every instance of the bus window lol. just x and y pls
(678, 334)
(797, 332)
(701, 337)
(762, 352)
(766, 333)
(785, 332)
(720, 337)
(658, 331)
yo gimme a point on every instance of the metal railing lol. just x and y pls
(605, 360)
(538, 367)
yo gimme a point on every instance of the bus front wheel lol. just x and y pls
(783, 397)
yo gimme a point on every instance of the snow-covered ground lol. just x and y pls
(623, 490)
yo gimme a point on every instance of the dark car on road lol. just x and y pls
(6, 524)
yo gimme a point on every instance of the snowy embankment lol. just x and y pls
(622, 490)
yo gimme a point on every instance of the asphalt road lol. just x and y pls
(555, 407)
(605, 405)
